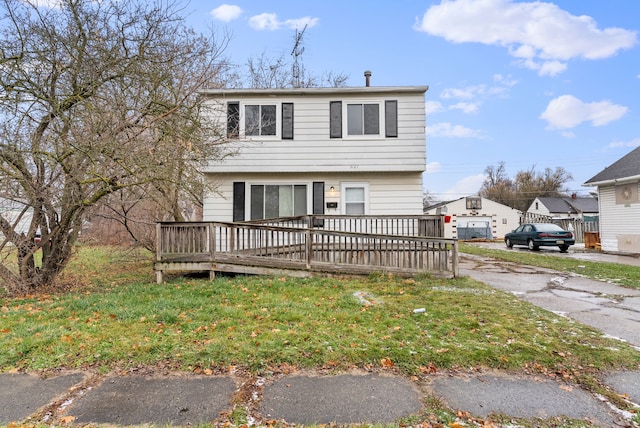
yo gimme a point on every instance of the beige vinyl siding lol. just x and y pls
(389, 193)
(312, 149)
(618, 223)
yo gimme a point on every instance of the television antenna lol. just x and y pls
(296, 52)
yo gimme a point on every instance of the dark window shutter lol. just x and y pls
(335, 119)
(391, 118)
(238, 201)
(318, 197)
(233, 120)
(287, 121)
(318, 202)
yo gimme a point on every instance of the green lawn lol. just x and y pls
(114, 316)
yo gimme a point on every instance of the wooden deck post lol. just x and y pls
(212, 250)
(454, 262)
(309, 243)
(158, 251)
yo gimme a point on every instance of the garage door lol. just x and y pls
(474, 228)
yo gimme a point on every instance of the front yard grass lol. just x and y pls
(115, 316)
(111, 317)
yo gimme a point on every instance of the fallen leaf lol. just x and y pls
(386, 363)
(566, 388)
(67, 419)
(430, 369)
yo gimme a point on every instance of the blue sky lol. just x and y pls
(533, 84)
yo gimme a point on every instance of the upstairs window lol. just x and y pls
(363, 119)
(260, 120)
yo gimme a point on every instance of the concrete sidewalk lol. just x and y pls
(84, 398)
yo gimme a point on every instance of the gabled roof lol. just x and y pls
(443, 203)
(570, 205)
(624, 168)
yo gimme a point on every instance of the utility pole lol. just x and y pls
(296, 52)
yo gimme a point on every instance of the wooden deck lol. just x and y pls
(307, 246)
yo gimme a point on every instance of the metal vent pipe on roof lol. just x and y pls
(367, 77)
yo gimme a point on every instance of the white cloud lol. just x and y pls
(270, 21)
(433, 167)
(226, 12)
(467, 186)
(567, 112)
(466, 93)
(264, 21)
(501, 85)
(299, 23)
(51, 4)
(540, 35)
(431, 107)
(465, 107)
(617, 144)
(507, 81)
(445, 129)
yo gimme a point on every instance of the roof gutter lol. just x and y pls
(614, 181)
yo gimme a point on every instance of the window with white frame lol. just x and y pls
(260, 120)
(355, 198)
(277, 200)
(363, 119)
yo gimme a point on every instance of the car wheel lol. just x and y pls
(531, 245)
(563, 248)
(508, 243)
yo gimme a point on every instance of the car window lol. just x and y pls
(548, 227)
(527, 228)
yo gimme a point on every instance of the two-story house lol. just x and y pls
(350, 150)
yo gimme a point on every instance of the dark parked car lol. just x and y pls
(536, 235)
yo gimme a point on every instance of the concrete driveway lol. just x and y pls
(610, 308)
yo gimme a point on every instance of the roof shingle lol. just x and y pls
(626, 166)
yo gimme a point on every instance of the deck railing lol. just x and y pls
(407, 225)
(221, 246)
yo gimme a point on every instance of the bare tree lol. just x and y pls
(497, 186)
(267, 72)
(95, 98)
(428, 199)
(527, 185)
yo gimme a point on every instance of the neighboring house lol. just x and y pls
(619, 204)
(17, 215)
(353, 151)
(474, 217)
(565, 208)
